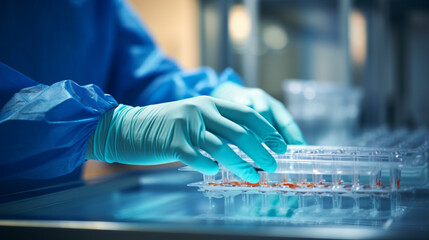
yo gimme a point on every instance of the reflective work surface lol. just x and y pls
(157, 203)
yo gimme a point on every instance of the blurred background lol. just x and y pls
(340, 66)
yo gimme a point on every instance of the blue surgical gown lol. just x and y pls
(62, 65)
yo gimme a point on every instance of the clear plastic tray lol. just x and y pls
(365, 179)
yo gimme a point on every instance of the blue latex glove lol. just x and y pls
(172, 131)
(271, 109)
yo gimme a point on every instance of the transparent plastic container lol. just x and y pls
(326, 112)
(365, 181)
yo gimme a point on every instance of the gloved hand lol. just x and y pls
(172, 131)
(271, 109)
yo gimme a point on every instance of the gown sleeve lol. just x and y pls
(44, 129)
(142, 74)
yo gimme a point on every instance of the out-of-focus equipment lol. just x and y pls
(327, 112)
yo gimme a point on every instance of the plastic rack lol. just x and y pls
(364, 181)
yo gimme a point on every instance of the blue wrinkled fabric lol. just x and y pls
(63, 64)
(45, 129)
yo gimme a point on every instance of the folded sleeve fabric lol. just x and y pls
(44, 129)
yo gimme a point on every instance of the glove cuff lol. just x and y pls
(97, 142)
